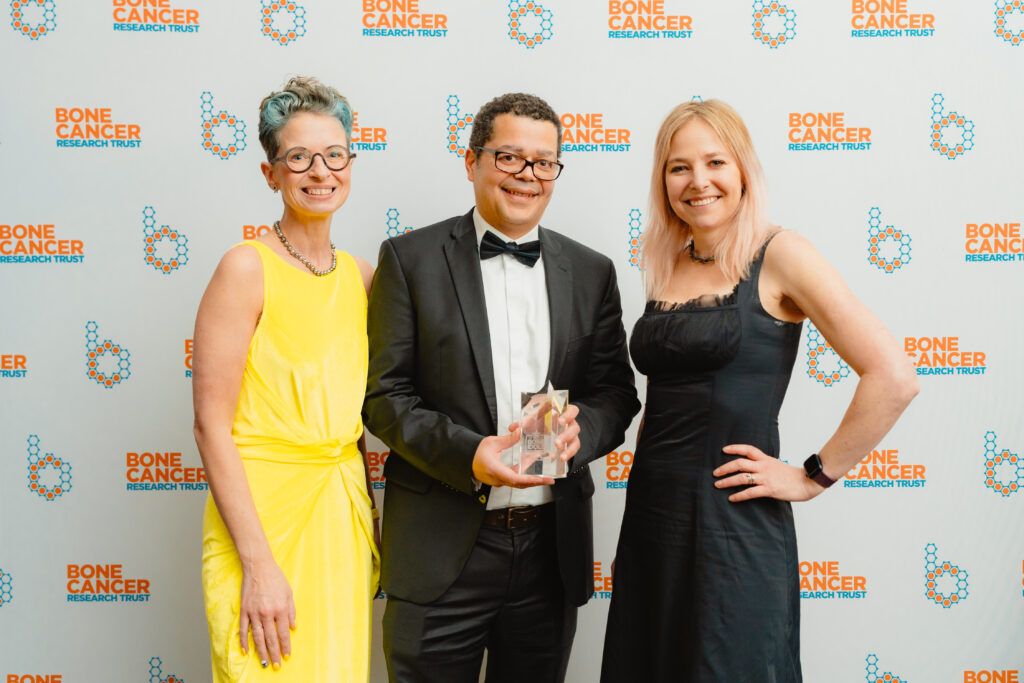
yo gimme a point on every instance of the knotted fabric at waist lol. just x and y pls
(330, 452)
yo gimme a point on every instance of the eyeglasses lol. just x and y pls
(543, 169)
(300, 159)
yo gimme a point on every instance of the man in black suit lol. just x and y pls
(461, 320)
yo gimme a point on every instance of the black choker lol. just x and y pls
(695, 257)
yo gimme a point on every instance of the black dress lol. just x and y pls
(705, 589)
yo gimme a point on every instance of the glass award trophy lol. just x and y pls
(536, 452)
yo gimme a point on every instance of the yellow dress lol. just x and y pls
(296, 427)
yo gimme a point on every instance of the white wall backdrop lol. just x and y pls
(143, 78)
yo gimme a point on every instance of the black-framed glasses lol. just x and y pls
(300, 159)
(543, 169)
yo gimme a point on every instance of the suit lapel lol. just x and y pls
(558, 274)
(464, 264)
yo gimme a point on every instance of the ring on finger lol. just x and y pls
(750, 478)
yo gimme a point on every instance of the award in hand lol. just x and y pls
(536, 452)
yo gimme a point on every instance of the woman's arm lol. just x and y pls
(804, 284)
(227, 318)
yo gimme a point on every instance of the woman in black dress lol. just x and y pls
(706, 584)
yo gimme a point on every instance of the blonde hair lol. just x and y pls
(667, 234)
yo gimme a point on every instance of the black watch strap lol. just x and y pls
(814, 471)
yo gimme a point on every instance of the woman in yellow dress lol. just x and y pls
(279, 372)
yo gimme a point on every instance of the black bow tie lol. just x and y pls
(527, 254)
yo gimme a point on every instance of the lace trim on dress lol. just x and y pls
(702, 301)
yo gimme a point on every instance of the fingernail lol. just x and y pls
(264, 663)
(277, 667)
(286, 657)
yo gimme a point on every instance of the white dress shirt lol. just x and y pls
(519, 322)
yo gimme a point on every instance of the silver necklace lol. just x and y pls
(697, 258)
(302, 259)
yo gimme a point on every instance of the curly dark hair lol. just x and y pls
(517, 103)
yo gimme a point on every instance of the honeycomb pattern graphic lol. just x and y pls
(942, 120)
(1003, 11)
(95, 351)
(520, 10)
(636, 237)
(38, 462)
(995, 457)
(934, 570)
(156, 673)
(211, 122)
(877, 235)
(151, 238)
(270, 12)
(874, 676)
(394, 226)
(763, 9)
(817, 351)
(31, 31)
(457, 124)
(6, 588)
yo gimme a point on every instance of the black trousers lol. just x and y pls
(508, 600)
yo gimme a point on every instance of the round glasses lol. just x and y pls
(300, 159)
(543, 169)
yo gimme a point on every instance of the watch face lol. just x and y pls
(813, 466)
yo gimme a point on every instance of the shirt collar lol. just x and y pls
(483, 226)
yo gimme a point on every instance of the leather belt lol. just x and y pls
(517, 518)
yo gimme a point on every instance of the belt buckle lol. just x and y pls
(521, 510)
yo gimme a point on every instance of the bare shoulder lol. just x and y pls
(365, 270)
(238, 278)
(241, 261)
(788, 248)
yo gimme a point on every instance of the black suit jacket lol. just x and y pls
(430, 398)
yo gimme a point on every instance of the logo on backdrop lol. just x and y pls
(48, 475)
(156, 673)
(945, 140)
(602, 583)
(875, 674)
(282, 21)
(154, 16)
(987, 242)
(646, 19)
(823, 363)
(33, 18)
(617, 466)
(1009, 10)
(587, 133)
(375, 467)
(188, 358)
(94, 127)
(826, 131)
(251, 232)
(13, 366)
(366, 139)
(401, 19)
(774, 23)
(944, 582)
(6, 587)
(107, 363)
(881, 468)
(223, 133)
(104, 583)
(943, 356)
(636, 237)
(992, 676)
(164, 249)
(889, 19)
(395, 227)
(161, 471)
(458, 124)
(529, 23)
(889, 247)
(1004, 471)
(824, 581)
(37, 243)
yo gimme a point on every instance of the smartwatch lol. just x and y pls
(814, 471)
